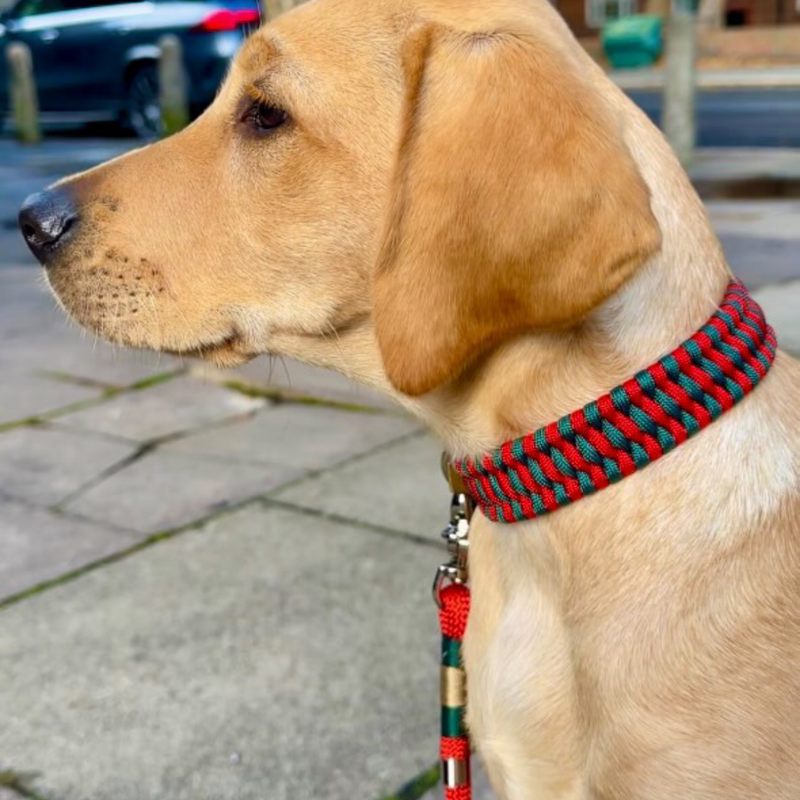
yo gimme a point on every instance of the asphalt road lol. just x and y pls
(764, 117)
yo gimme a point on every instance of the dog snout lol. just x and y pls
(47, 220)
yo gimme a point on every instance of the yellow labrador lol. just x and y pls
(448, 200)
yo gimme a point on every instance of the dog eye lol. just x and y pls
(264, 117)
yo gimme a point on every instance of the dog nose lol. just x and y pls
(47, 220)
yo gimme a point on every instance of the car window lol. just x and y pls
(31, 8)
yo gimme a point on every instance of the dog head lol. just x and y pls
(392, 188)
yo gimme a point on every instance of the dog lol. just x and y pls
(448, 200)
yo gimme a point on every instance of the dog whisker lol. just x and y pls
(270, 367)
(286, 371)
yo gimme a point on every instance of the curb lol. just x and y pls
(710, 80)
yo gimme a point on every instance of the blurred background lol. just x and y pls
(214, 585)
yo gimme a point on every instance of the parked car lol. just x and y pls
(96, 60)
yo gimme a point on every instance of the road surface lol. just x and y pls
(737, 117)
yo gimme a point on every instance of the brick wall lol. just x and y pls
(763, 12)
(746, 12)
(574, 12)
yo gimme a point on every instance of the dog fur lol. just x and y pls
(464, 212)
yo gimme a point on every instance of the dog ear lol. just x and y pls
(515, 204)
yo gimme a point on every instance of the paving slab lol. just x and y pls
(288, 375)
(769, 219)
(399, 487)
(74, 355)
(39, 339)
(28, 305)
(297, 435)
(180, 404)
(45, 466)
(257, 659)
(759, 261)
(761, 238)
(781, 305)
(161, 491)
(25, 396)
(37, 545)
(724, 163)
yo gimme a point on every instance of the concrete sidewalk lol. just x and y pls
(215, 586)
(758, 78)
(206, 593)
(722, 165)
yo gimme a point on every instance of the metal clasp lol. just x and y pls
(456, 535)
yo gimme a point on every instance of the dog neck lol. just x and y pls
(537, 378)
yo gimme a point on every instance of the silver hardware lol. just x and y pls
(455, 773)
(456, 536)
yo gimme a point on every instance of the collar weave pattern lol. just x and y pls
(634, 424)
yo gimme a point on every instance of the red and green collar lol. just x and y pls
(631, 426)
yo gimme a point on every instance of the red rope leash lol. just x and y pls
(454, 747)
(452, 596)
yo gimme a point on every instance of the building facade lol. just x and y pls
(587, 17)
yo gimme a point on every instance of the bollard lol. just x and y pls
(22, 93)
(172, 86)
(679, 82)
(274, 8)
(711, 14)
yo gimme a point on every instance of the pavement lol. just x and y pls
(215, 585)
(761, 77)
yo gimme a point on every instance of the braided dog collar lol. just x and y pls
(634, 424)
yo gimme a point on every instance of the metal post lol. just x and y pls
(22, 92)
(679, 81)
(172, 86)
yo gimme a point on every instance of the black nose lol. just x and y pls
(47, 220)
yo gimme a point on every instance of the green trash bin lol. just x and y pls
(634, 41)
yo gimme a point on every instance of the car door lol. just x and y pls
(4, 40)
(93, 40)
(77, 48)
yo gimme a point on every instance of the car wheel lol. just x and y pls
(142, 109)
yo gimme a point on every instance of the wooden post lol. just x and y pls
(678, 118)
(22, 93)
(172, 86)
